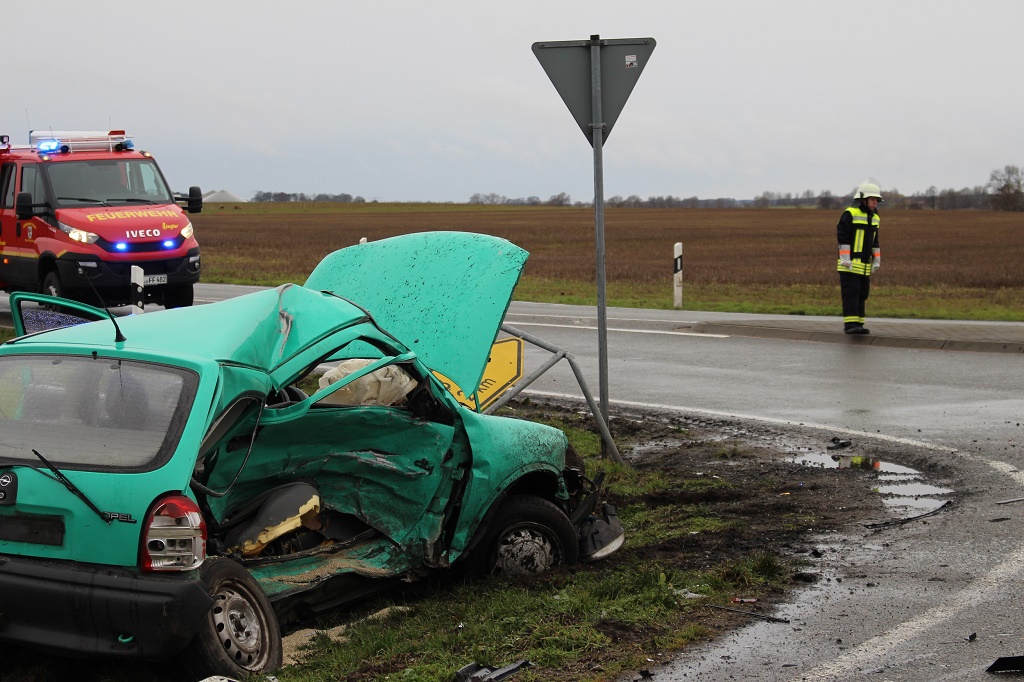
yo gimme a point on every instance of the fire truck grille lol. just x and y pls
(156, 267)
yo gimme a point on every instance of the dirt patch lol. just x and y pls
(777, 489)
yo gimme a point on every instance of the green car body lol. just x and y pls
(156, 465)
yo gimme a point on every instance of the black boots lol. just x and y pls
(855, 328)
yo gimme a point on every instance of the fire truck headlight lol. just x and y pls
(77, 234)
(186, 231)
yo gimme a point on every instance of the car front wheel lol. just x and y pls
(528, 536)
(52, 286)
(240, 635)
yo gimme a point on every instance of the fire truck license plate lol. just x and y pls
(154, 279)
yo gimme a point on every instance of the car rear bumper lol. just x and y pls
(72, 608)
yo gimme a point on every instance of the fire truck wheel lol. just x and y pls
(240, 635)
(180, 296)
(52, 284)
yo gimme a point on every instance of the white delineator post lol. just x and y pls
(678, 276)
(138, 293)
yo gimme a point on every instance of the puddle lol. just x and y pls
(903, 489)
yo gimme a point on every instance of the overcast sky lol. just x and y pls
(437, 101)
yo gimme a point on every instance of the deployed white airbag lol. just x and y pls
(385, 386)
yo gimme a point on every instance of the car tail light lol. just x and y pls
(174, 538)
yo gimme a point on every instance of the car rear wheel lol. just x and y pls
(528, 536)
(240, 635)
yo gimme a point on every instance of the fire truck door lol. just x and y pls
(19, 260)
(7, 217)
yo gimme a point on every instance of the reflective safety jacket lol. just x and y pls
(859, 229)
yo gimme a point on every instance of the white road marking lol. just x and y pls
(768, 420)
(594, 317)
(989, 587)
(626, 331)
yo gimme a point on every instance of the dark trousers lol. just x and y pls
(854, 289)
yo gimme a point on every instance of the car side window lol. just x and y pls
(7, 185)
(32, 181)
(388, 386)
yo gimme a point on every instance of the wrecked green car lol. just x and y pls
(167, 490)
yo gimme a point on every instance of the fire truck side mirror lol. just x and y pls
(23, 206)
(195, 200)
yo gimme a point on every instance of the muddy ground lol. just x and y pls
(777, 504)
(792, 489)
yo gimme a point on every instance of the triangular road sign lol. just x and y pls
(567, 64)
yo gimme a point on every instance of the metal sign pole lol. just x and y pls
(597, 129)
(596, 109)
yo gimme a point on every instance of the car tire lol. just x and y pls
(240, 635)
(52, 285)
(179, 296)
(528, 535)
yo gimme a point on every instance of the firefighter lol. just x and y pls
(859, 253)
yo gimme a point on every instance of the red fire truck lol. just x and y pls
(79, 208)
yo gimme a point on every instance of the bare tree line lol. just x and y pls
(1003, 192)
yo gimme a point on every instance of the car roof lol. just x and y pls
(262, 329)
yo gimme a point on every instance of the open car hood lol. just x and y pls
(442, 294)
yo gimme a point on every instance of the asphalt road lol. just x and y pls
(930, 600)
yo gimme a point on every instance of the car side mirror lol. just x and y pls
(195, 200)
(23, 206)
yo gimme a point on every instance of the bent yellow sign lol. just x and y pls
(504, 369)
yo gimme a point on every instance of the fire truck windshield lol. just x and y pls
(113, 182)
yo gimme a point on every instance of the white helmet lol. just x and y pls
(868, 188)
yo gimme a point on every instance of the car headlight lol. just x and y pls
(77, 234)
(186, 231)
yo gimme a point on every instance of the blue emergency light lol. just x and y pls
(48, 145)
(121, 246)
(168, 243)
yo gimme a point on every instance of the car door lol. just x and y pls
(8, 225)
(39, 312)
(388, 463)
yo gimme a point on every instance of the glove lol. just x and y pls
(844, 257)
(876, 259)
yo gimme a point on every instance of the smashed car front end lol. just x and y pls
(520, 457)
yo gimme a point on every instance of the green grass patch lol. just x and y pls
(926, 302)
(560, 623)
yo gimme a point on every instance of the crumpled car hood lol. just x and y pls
(442, 294)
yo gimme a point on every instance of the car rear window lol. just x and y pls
(91, 413)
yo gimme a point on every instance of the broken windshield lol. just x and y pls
(91, 412)
(109, 182)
